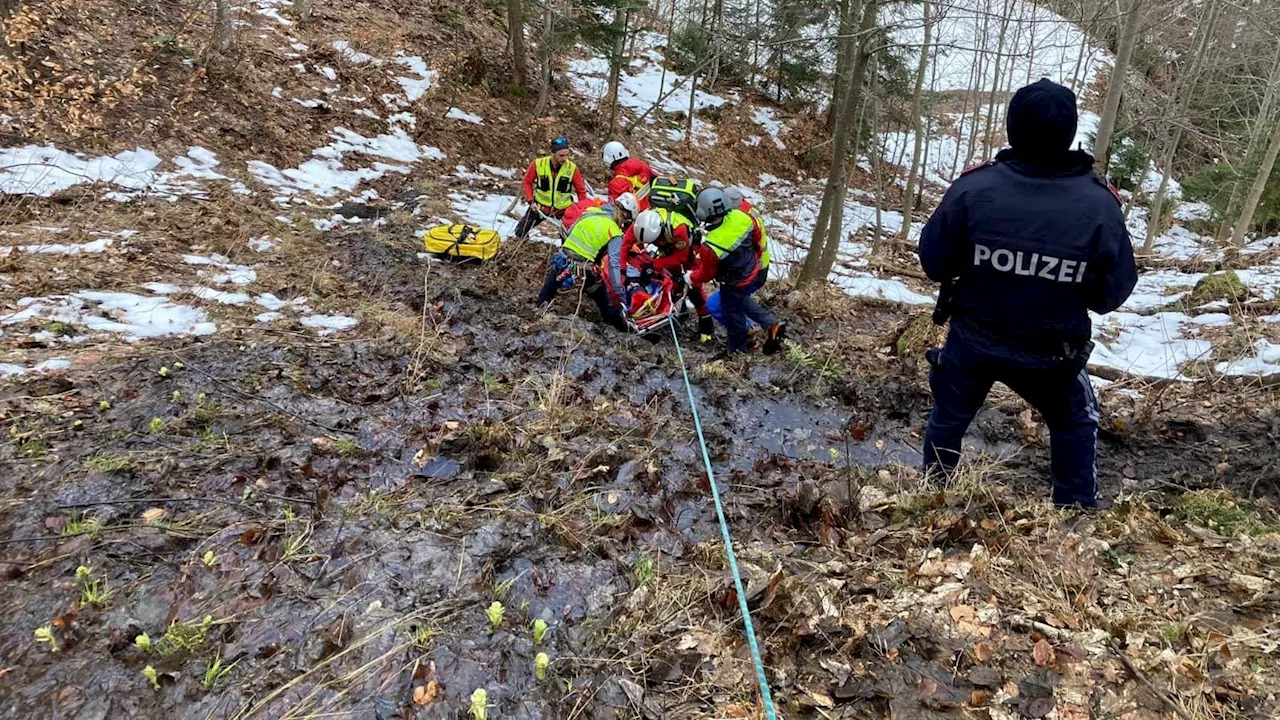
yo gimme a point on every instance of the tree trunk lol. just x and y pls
(515, 33)
(979, 80)
(302, 8)
(544, 92)
(693, 97)
(908, 198)
(818, 266)
(1255, 139)
(1115, 87)
(1255, 192)
(844, 57)
(995, 82)
(619, 29)
(1183, 90)
(223, 26)
(831, 214)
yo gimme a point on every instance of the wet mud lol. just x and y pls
(333, 521)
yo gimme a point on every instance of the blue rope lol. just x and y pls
(766, 697)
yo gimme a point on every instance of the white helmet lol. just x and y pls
(734, 196)
(648, 227)
(628, 202)
(613, 152)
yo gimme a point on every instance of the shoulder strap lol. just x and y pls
(979, 166)
(1111, 188)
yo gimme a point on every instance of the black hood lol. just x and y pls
(1041, 123)
(1068, 164)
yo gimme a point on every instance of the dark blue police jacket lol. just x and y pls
(1032, 249)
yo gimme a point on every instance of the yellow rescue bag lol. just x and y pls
(462, 241)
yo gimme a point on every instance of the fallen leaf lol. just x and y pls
(983, 652)
(1043, 653)
(421, 695)
(962, 613)
(820, 700)
(978, 698)
(152, 515)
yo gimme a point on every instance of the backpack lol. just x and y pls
(671, 194)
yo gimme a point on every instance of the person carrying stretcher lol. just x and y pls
(592, 254)
(662, 240)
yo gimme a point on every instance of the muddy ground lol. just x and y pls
(308, 527)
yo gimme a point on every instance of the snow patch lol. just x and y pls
(1146, 345)
(459, 114)
(329, 324)
(134, 316)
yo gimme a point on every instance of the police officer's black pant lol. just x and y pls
(532, 219)
(961, 379)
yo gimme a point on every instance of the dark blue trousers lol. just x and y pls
(962, 376)
(737, 304)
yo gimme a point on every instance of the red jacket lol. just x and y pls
(637, 172)
(708, 264)
(676, 262)
(530, 175)
(575, 211)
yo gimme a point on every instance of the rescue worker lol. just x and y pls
(730, 254)
(629, 174)
(576, 210)
(738, 200)
(665, 239)
(594, 247)
(550, 184)
(1025, 246)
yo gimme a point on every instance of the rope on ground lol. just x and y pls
(766, 698)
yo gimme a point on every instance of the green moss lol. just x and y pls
(1218, 286)
(1221, 511)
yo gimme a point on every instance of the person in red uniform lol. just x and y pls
(575, 210)
(551, 185)
(660, 241)
(637, 172)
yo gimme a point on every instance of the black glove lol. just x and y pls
(706, 326)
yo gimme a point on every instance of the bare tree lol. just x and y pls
(1183, 90)
(302, 9)
(223, 26)
(1255, 193)
(995, 83)
(515, 34)
(547, 51)
(825, 243)
(917, 116)
(1256, 137)
(1131, 28)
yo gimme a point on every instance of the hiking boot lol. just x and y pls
(1098, 505)
(773, 340)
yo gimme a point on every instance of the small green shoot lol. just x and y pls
(645, 570)
(104, 405)
(178, 365)
(143, 643)
(540, 663)
(210, 559)
(539, 631)
(479, 705)
(152, 677)
(422, 637)
(200, 397)
(81, 525)
(45, 635)
(176, 396)
(92, 591)
(346, 448)
(495, 613)
(185, 637)
(216, 671)
(163, 371)
(156, 426)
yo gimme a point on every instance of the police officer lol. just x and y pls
(1025, 245)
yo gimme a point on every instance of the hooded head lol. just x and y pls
(1041, 122)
